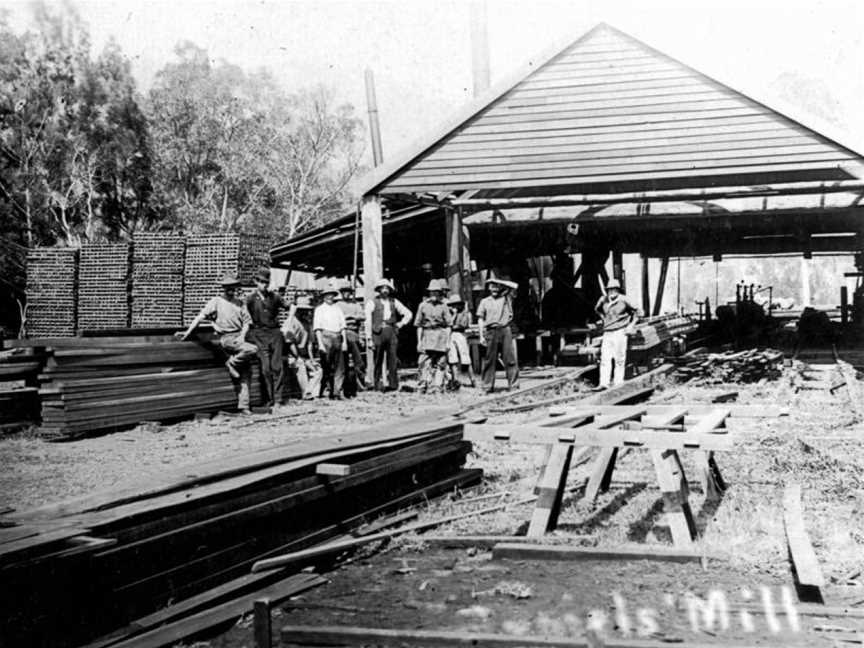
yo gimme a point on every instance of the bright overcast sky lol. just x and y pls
(809, 53)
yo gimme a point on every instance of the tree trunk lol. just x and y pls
(29, 216)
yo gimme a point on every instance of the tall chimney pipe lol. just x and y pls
(374, 128)
(479, 47)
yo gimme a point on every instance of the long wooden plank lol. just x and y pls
(594, 436)
(357, 636)
(808, 574)
(525, 551)
(206, 472)
(693, 409)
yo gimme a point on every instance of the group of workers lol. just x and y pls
(341, 327)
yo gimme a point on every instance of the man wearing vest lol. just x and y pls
(619, 318)
(385, 315)
(494, 319)
(354, 317)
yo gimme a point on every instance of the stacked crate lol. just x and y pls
(211, 256)
(103, 286)
(157, 280)
(52, 286)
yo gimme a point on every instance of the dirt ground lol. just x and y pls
(410, 584)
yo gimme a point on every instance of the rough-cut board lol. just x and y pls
(551, 489)
(808, 575)
(676, 505)
(525, 551)
(355, 636)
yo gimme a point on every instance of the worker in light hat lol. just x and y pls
(619, 316)
(328, 324)
(433, 324)
(231, 322)
(385, 315)
(494, 320)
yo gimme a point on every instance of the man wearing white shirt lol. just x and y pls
(385, 315)
(328, 323)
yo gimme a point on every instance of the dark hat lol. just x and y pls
(263, 274)
(229, 279)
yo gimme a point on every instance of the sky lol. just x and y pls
(805, 54)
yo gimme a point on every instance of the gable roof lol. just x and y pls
(608, 113)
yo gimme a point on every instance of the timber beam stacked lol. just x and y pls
(115, 559)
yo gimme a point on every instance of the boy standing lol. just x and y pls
(459, 355)
(494, 319)
(433, 323)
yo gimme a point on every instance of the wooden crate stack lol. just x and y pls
(210, 256)
(157, 280)
(52, 291)
(188, 537)
(103, 286)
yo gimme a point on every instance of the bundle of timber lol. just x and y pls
(18, 408)
(656, 330)
(103, 286)
(751, 365)
(107, 565)
(52, 291)
(91, 384)
(209, 257)
(157, 280)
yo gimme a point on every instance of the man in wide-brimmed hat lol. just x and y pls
(298, 347)
(459, 355)
(433, 323)
(263, 306)
(619, 317)
(494, 319)
(354, 317)
(231, 322)
(328, 324)
(385, 315)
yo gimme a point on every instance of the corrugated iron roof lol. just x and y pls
(609, 113)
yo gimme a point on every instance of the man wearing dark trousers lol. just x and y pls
(354, 317)
(263, 306)
(328, 324)
(494, 319)
(385, 315)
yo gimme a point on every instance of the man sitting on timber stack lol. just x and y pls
(231, 323)
(354, 317)
(328, 324)
(494, 319)
(433, 324)
(385, 315)
(619, 319)
(263, 306)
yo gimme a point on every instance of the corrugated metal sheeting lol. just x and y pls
(609, 113)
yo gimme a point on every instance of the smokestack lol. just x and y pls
(479, 47)
(374, 128)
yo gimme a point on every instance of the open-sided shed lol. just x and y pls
(605, 146)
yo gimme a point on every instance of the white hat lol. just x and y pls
(382, 283)
(613, 283)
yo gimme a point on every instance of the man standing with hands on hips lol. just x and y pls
(328, 324)
(619, 320)
(385, 315)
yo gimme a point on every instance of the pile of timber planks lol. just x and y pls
(103, 286)
(157, 280)
(750, 365)
(91, 384)
(52, 291)
(655, 331)
(109, 563)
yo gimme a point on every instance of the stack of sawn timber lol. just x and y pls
(52, 291)
(91, 384)
(123, 562)
(750, 365)
(657, 330)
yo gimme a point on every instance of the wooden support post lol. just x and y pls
(844, 305)
(601, 473)
(551, 492)
(547, 454)
(708, 471)
(618, 269)
(373, 261)
(676, 505)
(458, 266)
(646, 287)
(261, 623)
(661, 286)
(808, 575)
